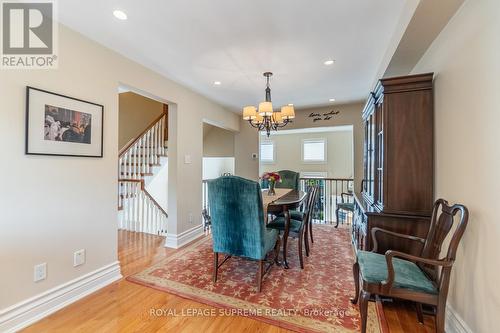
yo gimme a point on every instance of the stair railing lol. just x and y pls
(139, 210)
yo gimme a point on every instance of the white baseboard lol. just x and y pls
(25, 313)
(178, 240)
(454, 323)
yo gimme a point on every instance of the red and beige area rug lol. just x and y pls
(315, 299)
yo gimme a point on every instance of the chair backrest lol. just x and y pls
(443, 218)
(311, 199)
(237, 216)
(289, 179)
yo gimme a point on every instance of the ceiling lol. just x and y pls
(197, 42)
(429, 19)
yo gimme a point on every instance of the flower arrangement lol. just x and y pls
(272, 178)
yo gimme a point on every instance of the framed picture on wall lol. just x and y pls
(62, 126)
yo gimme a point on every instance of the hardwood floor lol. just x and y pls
(125, 306)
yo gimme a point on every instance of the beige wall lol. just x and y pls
(52, 206)
(217, 142)
(247, 141)
(339, 153)
(136, 112)
(465, 58)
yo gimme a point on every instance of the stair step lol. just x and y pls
(150, 164)
(142, 173)
(141, 155)
(127, 196)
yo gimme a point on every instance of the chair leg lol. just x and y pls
(306, 239)
(285, 242)
(216, 266)
(259, 275)
(363, 309)
(420, 313)
(301, 256)
(311, 230)
(355, 273)
(277, 250)
(337, 217)
(440, 317)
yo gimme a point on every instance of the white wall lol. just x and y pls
(52, 206)
(214, 167)
(466, 60)
(289, 153)
(157, 185)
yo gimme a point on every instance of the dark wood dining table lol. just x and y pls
(291, 199)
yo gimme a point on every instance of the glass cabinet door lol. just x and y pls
(380, 155)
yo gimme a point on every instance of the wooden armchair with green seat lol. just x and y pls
(423, 279)
(344, 205)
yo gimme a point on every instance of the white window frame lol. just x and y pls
(325, 144)
(267, 142)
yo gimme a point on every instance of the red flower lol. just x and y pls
(272, 176)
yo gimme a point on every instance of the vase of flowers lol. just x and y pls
(272, 178)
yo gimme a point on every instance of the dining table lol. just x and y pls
(281, 202)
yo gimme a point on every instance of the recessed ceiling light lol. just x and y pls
(332, 99)
(217, 83)
(120, 14)
(290, 104)
(329, 62)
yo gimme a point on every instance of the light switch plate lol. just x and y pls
(79, 258)
(40, 272)
(187, 159)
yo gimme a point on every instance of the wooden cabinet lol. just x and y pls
(398, 155)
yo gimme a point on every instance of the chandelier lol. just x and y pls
(265, 118)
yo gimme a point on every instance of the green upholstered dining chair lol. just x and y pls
(422, 279)
(238, 226)
(289, 179)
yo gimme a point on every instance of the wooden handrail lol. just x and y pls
(133, 141)
(143, 188)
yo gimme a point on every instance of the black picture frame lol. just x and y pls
(28, 151)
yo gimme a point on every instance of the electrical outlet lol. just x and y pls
(40, 272)
(79, 258)
(191, 218)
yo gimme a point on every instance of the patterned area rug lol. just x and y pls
(315, 299)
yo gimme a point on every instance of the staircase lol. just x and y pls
(138, 161)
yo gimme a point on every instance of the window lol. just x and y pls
(267, 152)
(314, 150)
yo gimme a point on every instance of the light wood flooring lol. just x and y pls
(125, 306)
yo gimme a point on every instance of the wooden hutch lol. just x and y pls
(398, 181)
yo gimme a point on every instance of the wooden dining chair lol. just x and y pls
(423, 279)
(298, 227)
